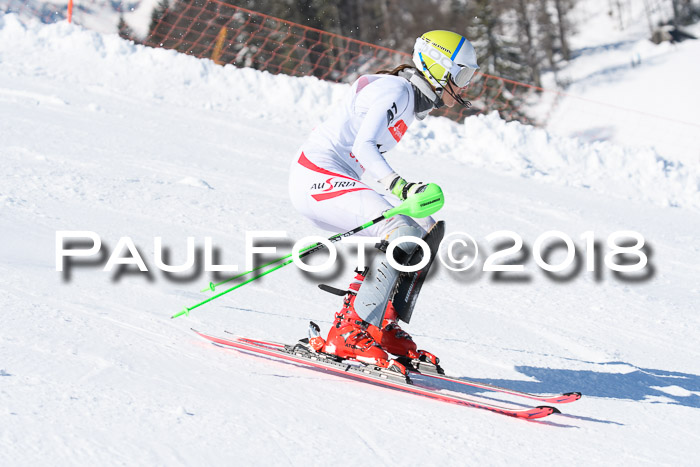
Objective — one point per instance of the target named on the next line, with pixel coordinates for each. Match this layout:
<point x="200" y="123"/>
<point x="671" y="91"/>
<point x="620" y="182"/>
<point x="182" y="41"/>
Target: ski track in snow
<point x="99" y="134"/>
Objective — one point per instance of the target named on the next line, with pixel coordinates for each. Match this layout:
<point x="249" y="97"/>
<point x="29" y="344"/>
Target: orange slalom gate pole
<point x="220" y="38"/>
<point x="70" y="11"/>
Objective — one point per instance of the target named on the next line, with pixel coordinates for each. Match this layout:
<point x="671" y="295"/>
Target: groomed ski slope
<point x="98" y="134"/>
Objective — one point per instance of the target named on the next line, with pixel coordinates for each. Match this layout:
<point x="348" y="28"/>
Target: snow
<point x="97" y="15"/>
<point x="625" y="89"/>
<point x="99" y="134"/>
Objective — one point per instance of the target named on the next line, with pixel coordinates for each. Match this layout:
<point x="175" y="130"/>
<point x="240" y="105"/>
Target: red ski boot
<point x="396" y="341"/>
<point x="348" y="337"/>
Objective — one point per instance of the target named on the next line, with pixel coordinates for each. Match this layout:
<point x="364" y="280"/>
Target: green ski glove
<point x="402" y="189"/>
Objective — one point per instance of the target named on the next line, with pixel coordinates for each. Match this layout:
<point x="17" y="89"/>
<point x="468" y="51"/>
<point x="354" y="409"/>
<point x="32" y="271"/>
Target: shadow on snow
<point x="638" y="385"/>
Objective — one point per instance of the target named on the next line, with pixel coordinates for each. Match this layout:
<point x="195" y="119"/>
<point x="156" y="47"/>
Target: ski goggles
<point x="461" y="75"/>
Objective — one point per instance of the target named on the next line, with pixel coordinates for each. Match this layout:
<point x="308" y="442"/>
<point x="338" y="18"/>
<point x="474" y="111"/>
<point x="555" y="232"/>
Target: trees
<point x="514" y="39"/>
<point x="158" y="13"/>
<point x="124" y="30"/>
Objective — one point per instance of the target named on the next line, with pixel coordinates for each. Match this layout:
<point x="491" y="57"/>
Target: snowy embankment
<point x="485" y="141"/>
<point x="98" y="134"/>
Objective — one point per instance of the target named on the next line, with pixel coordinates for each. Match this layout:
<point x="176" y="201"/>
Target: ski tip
<point x="574" y="395"/>
<point x="549" y="409"/>
<point x="537" y="412"/>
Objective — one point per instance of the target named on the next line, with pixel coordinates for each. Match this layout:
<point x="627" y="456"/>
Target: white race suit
<point x="325" y="182"/>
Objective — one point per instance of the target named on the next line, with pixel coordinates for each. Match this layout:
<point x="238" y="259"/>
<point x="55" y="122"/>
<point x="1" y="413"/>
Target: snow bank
<point x="530" y="152"/>
<point x="82" y="58"/>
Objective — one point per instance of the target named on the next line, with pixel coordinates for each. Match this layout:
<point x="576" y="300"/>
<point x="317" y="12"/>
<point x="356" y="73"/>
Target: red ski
<point x="551" y="398"/>
<point x="564" y="398"/>
<point x="301" y="355"/>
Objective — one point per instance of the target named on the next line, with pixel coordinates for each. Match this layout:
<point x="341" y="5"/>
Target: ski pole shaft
<point x="213" y="286"/>
<point x="304" y="252"/>
<point x="422" y="204"/>
<point x="186" y="310"/>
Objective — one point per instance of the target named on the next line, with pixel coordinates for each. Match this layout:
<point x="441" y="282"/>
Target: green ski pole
<point x="422" y="204"/>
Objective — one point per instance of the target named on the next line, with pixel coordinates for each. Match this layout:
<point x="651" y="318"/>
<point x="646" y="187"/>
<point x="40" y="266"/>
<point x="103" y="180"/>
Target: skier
<point x="325" y="186"/>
